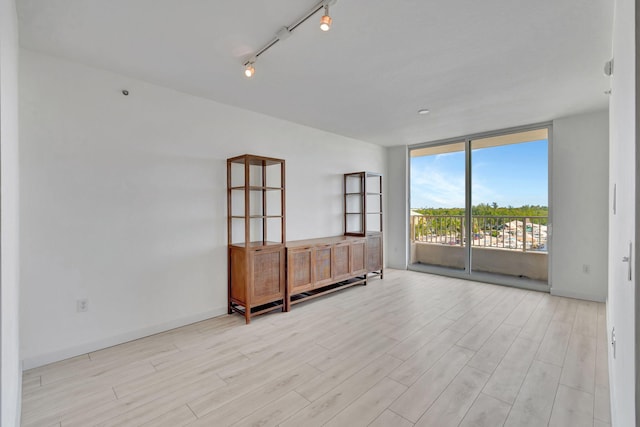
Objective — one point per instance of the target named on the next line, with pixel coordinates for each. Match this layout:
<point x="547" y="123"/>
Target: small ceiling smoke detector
<point x="423" y="111"/>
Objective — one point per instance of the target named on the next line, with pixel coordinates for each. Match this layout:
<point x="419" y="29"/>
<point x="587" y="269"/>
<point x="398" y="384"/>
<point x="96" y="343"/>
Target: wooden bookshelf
<point x="363" y="215"/>
<point x="256" y="235"/>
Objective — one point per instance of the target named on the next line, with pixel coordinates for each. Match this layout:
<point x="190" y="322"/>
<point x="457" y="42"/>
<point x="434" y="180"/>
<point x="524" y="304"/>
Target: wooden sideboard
<point x="267" y="273"/>
<point x="317" y="267"/>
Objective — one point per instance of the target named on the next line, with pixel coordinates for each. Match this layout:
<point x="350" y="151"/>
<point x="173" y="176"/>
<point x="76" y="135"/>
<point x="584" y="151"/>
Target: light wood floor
<point x="412" y="349"/>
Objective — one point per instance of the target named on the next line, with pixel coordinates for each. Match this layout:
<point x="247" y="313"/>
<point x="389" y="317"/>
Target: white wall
<point x="579" y="174"/>
<point x="621" y="311"/>
<point x="397" y="196"/>
<point x="124" y="202"/>
<point x="10" y="370"/>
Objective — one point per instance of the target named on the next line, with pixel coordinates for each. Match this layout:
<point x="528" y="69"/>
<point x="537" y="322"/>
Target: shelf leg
<point x="247" y="314"/>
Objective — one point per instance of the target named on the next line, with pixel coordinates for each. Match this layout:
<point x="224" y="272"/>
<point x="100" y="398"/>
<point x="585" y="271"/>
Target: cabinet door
<point x="341" y="261"/>
<point x="238" y="275"/>
<point x="299" y="270"/>
<point x="267" y="273"/>
<point x="374" y="252"/>
<point x="358" y="257"/>
<point x="322" y="261"/>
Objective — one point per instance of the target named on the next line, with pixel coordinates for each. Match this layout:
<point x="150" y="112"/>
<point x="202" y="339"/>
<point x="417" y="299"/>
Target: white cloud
<point x="431" y="187"/>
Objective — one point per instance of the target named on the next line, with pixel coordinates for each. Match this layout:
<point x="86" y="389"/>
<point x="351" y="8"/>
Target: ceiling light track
<point x="285" y="32"/>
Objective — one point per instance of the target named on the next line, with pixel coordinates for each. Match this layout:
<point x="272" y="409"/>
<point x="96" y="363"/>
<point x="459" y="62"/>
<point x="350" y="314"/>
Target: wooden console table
<point x="317" y="267"/>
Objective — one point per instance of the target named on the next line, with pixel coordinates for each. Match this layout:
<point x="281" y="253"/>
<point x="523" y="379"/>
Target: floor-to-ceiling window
<point x="479" y="207"/>
<point x="438" y="216"/>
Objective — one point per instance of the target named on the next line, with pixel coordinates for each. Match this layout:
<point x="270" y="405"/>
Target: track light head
<point x="325" y="21"/>
<point x="249" y="70"/>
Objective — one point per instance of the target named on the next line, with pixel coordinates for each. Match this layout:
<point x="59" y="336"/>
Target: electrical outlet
<point x="82" y="305"/>
<point x="586" y="268"/>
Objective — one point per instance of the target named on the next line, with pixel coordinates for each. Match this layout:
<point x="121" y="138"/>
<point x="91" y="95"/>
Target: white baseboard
<point x="19" y="399"/>
<point x="577" y="295"/>
<point x="56" y="356"/>
<point x="612" y="381"/>
<point x="396" y="266"/>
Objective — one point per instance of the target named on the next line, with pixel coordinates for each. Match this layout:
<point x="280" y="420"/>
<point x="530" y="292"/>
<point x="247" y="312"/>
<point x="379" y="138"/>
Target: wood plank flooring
<point x="410" y="350"/>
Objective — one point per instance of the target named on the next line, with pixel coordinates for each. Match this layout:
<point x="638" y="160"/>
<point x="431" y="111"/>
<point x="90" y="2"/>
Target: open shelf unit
<point x="363" y="214"/>
<point x="256" y="234"/>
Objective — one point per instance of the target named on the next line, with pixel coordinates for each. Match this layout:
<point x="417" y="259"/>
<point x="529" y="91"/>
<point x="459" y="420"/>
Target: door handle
<point x="627" y="259"/>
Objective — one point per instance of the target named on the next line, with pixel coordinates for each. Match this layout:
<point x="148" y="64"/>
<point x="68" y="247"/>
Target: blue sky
<point x="515" y="174"/>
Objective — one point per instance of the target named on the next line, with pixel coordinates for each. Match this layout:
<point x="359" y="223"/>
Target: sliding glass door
<point x="480" y="207"/>
<point x="438" y="189"/>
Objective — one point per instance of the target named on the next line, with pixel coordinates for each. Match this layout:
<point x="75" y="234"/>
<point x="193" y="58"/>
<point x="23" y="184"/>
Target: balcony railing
<point x="502" y="232"/>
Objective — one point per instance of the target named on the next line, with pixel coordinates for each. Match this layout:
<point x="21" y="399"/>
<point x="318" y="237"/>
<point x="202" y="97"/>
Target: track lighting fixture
<point x="285" y="32"/>
<point x="325" y="21"/>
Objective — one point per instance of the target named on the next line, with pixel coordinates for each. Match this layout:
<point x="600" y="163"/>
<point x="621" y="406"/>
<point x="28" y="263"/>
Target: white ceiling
<point x="477" y="65"/>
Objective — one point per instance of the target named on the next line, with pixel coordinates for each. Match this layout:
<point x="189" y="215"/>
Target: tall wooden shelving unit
<point x="256" y="234"/>
<point x="363" y="214"/>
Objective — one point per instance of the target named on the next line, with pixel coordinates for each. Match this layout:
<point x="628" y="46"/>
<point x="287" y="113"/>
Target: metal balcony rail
<point x="501" y="232"/>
